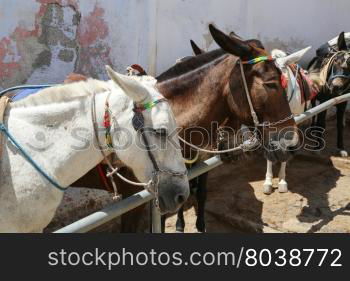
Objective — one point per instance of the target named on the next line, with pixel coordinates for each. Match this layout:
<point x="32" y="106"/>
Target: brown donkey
<point x="214" y="88"/>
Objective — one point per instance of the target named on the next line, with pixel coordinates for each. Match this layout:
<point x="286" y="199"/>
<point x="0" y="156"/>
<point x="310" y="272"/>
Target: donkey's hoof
<point x="283" y="187"/>
<point x="343" y="153"/>
<point x="180" y="229"/>
<point x="200" y="227"/>
<point x="267" y="189"/>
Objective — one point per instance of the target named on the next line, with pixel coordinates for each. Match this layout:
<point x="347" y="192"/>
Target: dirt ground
<point x="318" y="199"/>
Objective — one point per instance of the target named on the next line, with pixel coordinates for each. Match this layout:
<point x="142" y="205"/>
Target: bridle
<point x="139" y="126"/>
<point x="255" y="118"/>
<point x="328" y="71"/>
<point x="251" y="143"/>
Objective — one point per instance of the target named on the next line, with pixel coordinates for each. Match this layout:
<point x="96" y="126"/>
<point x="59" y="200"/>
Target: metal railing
<point x="115" y="210"/>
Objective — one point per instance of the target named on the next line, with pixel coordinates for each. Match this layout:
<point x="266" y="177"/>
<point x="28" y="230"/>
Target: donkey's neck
<point x="196" y="95"/>
<point x="60" y="136"/>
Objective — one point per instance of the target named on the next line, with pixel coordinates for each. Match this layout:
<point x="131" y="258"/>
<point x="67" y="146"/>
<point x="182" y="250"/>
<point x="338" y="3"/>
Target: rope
<point x="112" y="170"/>
<point x="211" y="151"/>
<point x="29" y="159"/>
<point x="3" y="103"/>
<point x="252" y="111"/>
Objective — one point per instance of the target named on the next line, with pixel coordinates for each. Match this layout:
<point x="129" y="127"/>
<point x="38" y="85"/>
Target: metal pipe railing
<point x="322" y="107"/>
<point x="96" y="219"/>
<point x="117" y="209"/>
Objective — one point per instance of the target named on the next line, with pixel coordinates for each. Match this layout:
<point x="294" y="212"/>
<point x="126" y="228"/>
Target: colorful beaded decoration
<point x="107" y="118"/>
<point x="107" y="126"/>
<point x="148" y="105"/>
<point x="258" y="59"/>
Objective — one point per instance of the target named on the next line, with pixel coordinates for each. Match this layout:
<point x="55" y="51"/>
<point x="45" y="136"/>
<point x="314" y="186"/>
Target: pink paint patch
<point x="92" y="27"/>
<point x="95" y="51"/>
<point x="7" y="68"/>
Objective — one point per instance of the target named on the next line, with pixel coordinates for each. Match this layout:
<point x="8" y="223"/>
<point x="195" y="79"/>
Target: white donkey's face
<point x="155" y="145"/>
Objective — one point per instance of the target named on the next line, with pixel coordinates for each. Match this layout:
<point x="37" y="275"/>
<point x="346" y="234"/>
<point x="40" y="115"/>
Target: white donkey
<point x="55" y="128"/>
<point x="297" y="106"/>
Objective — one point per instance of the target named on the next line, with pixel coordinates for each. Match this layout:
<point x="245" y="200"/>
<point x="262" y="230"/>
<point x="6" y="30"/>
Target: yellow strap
<point x="192" y="161"/>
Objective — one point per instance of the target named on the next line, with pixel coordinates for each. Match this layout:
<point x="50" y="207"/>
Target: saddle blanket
<point x="24" y="93"/>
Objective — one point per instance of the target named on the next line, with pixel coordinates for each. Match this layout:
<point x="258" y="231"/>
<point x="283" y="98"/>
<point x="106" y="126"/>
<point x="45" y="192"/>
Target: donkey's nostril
<point x="180" y="199"/>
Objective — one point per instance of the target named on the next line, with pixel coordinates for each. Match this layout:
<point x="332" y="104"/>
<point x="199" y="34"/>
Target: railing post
<point x="156" y="219"/>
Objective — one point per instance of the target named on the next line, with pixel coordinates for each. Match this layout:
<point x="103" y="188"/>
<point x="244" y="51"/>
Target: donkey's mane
<point x="69" y="92"/>
<point x="64" y="92"/>
<point x="191" y="64"/>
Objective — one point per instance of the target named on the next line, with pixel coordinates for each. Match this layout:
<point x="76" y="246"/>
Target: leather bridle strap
<point x="148" y="148"/>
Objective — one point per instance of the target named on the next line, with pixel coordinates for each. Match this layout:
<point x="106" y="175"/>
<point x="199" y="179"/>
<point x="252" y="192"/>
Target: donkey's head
<point x="155" y="151"/>
<point x="338" y="69"/>
<point x="266" y="91"/>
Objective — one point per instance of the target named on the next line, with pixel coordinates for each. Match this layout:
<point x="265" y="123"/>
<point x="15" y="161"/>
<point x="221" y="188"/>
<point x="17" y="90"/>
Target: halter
<point x="139" y="126"/>
<point x="245" y="84"/>
<point x="328" y="71"/>
<point x="251" y="143"/>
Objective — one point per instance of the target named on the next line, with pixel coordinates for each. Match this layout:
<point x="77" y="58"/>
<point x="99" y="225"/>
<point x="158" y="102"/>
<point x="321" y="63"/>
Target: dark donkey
<point x="330" y="70"/>
<point x="210" y="88"/>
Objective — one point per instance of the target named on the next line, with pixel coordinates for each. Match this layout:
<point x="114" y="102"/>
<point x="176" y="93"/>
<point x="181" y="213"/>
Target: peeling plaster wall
<point x="41" y="41"/>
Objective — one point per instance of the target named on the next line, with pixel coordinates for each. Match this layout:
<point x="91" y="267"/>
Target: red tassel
<point x="284" y="81"/>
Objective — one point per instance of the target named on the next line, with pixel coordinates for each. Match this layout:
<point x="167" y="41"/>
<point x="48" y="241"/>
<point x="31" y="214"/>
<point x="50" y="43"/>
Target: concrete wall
<point x="41" y="41"/>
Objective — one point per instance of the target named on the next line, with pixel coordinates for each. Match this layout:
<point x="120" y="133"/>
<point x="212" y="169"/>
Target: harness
<point x="251" y="143"/>
<point x="327" y="74"/>
<point x="255" y="118"/>
<point x="5" y="131"/>
<point x="139" y="126"/>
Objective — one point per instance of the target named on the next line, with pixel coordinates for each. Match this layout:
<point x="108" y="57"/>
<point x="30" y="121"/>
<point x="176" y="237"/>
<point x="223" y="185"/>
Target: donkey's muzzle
<point x="173" y="194"/>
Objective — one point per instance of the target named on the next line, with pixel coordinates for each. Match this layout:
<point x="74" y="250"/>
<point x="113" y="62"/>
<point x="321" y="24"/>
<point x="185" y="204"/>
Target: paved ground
<point x="318" y="201"/>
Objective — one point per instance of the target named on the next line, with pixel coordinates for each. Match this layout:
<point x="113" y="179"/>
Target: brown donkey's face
<point x="267" y="94"/>
<point x="338" y="79"/>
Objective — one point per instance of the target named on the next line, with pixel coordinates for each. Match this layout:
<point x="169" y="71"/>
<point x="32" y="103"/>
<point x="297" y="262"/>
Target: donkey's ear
<point x="131" y="87"/>
<point x="234" y="35"/>
<point x="292" y="58"/>
<point x="232" y="45"/>
<point x="196" y="50"/>
<point x="342" y="42"/>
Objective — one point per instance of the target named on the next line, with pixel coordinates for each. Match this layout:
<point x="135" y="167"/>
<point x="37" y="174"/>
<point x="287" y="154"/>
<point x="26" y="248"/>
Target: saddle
<point x="308" y="92"/>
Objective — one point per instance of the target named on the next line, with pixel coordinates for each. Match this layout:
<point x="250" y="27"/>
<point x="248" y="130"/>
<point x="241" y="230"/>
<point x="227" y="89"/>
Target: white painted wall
<point x="154" y="33"/>
<point x="286" y="24"/>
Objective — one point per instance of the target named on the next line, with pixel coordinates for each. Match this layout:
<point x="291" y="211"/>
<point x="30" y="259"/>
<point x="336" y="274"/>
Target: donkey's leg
<point x="341" y="108"/>
<point x="180" y="222"/>
<point x="163" y="219"/>
<point x="321" y="126"/>
<point x="201" y="200"/>
<point x="268" y="179"/>
<point x="282" y="184"/>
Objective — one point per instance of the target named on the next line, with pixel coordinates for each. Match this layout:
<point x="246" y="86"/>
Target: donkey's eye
<point x="161" y="132"/>
<point x="270" y="84"/>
